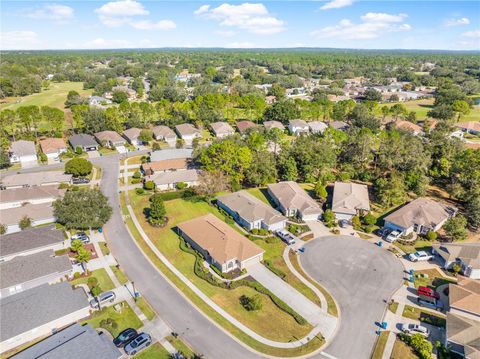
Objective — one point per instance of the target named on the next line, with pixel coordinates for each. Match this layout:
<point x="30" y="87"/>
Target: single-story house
<point x="244" y="126"/>
<point x="84" y="141"/>
<point x="317" y="126"/>
<point x="24" y="152"/>
<point x="419" y="216"/>
<point x="38" y="311"/>
<point x="53" y="147"/>
<point x="31" y="241"/>
<point x="273" y="124"/>
<point x="98" y="101"/>
<point x="110" y="139"/>
<point x="16" y="197"/>
<point x="250" y="212"/>
<point x="74" y="342"/>
<point x="411" y="127"/>
<point x="339" y="125"/>
<point x="465" y="254"/>
<point x="463" y="335"/>
<point x="46" y="178"/>
<point x="39" y="214"/>
<point x="472" y="127"/>
<point x="150" y="168"/>
<point x="292" y="200"/>
<point x="188" y="132"/>
<point x="132" y="136"/>
<point x="298" y="127"/>
<point x="169" y="180"/>
<point x="170" y="154"/>
<point x="464" y="297"/>
<point x="222" y="129"/>
<point x="350" y="199"/>
<point x="25" y="272"/>
<point x="220" y="244"/>
<point x="165" y="133"/>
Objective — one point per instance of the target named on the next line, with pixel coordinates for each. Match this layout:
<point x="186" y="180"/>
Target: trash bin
<point x="100" y="230"/>
<point x="384" y="325"/>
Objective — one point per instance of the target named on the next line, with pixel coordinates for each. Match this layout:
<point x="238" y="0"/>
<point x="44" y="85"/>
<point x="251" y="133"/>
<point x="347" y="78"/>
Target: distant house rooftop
<point x="243" y="126"/>
<point x="339" y="125"/>
<point x="31" y="193"/>
<point x="170" y="154"/>
<point x="109" y="136"/>
<point x="165" y="165"/>
<point x="132" y="133"/>
<point x="187" y="129"/>
<point x="164" y="132"/>
<point x="465" y="332"/>
<point x="274" y="124"/>
<point x="82" y="140"/>
<point x="409" y="126"/>
<point x="23" y="148"/>
<point x="317" y="126"/>
<point x="350" y="198"/>
<point x="298" y="123"/>
<point x="222" y="128"/>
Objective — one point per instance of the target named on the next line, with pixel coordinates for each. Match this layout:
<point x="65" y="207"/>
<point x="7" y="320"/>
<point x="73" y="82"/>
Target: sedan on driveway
<point x="415" y="329"/>
<point x="420" y="256"/>
<point x="124" y="337"/>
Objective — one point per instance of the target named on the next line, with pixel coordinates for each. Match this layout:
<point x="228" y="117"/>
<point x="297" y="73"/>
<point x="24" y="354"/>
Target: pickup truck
<point x="286" y="236"/>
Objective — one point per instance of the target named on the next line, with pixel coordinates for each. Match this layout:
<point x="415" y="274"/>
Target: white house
<point x="298" y="127"/>
<point x="317" y="126"/>
<point x="165" y="133"/>
<point x="53" y="147"/>
<point x="23" y="152"/>
<point x="169" y="180"/>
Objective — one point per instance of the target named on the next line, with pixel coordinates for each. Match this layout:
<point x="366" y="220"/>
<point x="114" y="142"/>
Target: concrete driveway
<point x="361" y="277"/>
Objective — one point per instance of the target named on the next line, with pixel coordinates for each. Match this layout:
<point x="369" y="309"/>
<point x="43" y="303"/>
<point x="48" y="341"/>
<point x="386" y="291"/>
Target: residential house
<point x="39" y="214"/>
<point x="31" y="241"/>
<point x="408" y="126"/>
<point x="17" y="197"/>
<point x="270" y="99"/>
<point x="350" y="199"/>
<point x="419" y="216"/>
<point x="169" y="180"/>
<point x="23" y="152"/>
<point x="298" y="127"/>
<point x="39" y="311"/>
<point x="464" y="297"/>
<point x="46" y="178"/>
<point x="26" y="272"/>
<point x="131" y="93"/>
<point x="188" y="133"/>
<point x="53" y="147"/>
<point x="98" y="101"/>
<point x="110" y="139"/>
<point x="317" y="126"/>
<point x="74" y="342"/>
<point x="220" y="244"/>
<point x="170" y="154"/>
<point x="339" y="125"/>
<point x="471" y="127"/>
<point x="273" y="124"/>
<point x="463" y="335"/>
<point x="165" y="133"/>
<point x="222" y="129"/>
<point x="132" y="136"/>
<point x="244" y="126"/>
<point x="465" y="254"/>
<point x="293" y="201"/>
<point x="83" y="141"/>
<point x="177" y="164"/>
<point x="250" y="212"/>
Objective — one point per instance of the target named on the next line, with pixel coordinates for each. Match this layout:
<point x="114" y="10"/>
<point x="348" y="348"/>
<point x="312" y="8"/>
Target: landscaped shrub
<point x="63" y="185"/>
<point x="181" y="185"/>
<point x="96" y="290"/>
<point x="168" y="196"/>
<point x="76" y="275"/>
<point x="272" y="239"/>
<point x="92" y="282"/>
<point x="369" y="219"/>
<point x="149" y="185"/>
<point x="109" y="324"/>
<point x="356" y="223"/>
<point x="25" y="222"/>
<point x="137" y="174"/>
<point x="3" y="229"/>
<point x="136" y="180"/>
<point x="419" y="344"/>
<point x="78" y="150"/>
<point x="263" y="232"/>
<point x="139" y="191"/>
<point x="329" y="218"/>
<point x="431" y="235"/>
<point x="251" y="303"/>
<point x="255" y="230"/>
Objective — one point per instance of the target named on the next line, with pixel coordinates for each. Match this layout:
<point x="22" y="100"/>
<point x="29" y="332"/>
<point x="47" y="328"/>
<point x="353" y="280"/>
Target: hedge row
<point x="268" y="263"/>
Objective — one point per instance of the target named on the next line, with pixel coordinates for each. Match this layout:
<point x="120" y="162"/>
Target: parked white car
<point x="393" y="236"/>
<point x="286" y="236"/>
<point x="415" y="329"/>
<point x="420" y="256"/>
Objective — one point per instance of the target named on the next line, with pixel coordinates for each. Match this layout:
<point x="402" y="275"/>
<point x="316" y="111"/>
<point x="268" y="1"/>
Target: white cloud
<point x="18" y="40"/>
<point x="336" y="4"/>
<point x="240" y="45"/>
<point x="122" y="8"/>
<point x="457" y="21"/>
<point x="253" y="18"/>
<point x="474" y="34"/>
<point x="372" y="26"/>
<point x="151" y="25"/>
<point x="56" y="12"/>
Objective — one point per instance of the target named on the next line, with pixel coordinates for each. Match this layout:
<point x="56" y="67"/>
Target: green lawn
<point x="380" y="345"/>
<point x="426" y="316"/>
<point x="418" y="245"/>
<point x="124" y="318"/>
<point x="155" y="351"/>
<point x="55" y="96"/>
<point x="284" y="328"/>
<point x="104" y="248"/>
<point x="393" y="306"/>
<point x="260" y="193"/>
<point x="101" y="274"/>
<point x="121" y="277"/>
<point x="145" y="308"/>
<point x="434" y="279"/>
<point x="402" y="351"/>
<point x="180" y="346"/>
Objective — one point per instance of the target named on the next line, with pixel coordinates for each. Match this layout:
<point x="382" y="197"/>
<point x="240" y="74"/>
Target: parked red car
<point x="427" y="292"/>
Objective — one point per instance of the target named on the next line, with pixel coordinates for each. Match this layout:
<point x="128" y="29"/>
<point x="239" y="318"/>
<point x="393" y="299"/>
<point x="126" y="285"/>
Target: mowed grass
<point x="434" y="279"/>
<point x="155" y="351"/>
<point x="54" y="96"/>
<point x="101" y="274"/>
<point x="402" y="351"/>
<point x="283" y="328"/>
<point x="380" y="345"/>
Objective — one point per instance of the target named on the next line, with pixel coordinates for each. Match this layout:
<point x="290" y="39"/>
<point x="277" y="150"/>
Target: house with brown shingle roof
<point x="132" y="136"/>
<point x="110" y="139"/>
<point x="244" y="126"/>
<point x="472" y="127"/>
<point x="250" y="212"/>
<point x="408" y="126"/>
<point x="463" y="336"/>
<point x="464" y="297"/>
<point x="419" y="216"/>
<point x="350" y="199"/>
<point x="222" y="129"/>
<point x="177" y="164"/>
<point x="465" y="254"/>
<point x="165" y="133"/>
<point x="220" y="244"/>
<point x="53" y="147"/>
<point x="293" y="201"/>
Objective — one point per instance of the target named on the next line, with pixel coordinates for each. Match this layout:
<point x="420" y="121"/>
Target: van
<point x="103" y="298"/>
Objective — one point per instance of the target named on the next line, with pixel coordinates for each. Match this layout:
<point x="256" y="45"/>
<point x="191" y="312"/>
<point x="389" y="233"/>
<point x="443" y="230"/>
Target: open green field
<point x="284" y="328"/>
<point x="55" y="96"/>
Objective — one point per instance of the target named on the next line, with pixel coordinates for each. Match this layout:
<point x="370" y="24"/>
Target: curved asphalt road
<point x="360" y="276"/>
<point x="182" y="317"/>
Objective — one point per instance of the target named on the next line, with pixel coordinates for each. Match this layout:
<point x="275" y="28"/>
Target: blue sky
<point x="399" y="24"/>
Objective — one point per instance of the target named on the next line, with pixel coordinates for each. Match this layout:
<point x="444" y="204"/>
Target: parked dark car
<point x="142" y="341"/>
<point x="124" y="337"/>
<point x="80" y="180"/>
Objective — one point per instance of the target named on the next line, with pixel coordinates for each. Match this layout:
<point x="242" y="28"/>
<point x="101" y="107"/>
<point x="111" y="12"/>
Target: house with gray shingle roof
<point x="37" y="312"/>
<point x="23" y="152"/>
<point x="317" y="126"/>
<point x="84" y="141"/>
<point x="350" y="199"/>
<point x="46" y="178"/>
<point x="165" y="133"/>
<point x="273" y="124"/>
<point x="465" y="254"/>
<point x="222" y="129"/>
<point x="188" y="132"/>
<point x="250" y="212"/>
<point x="463" y="335"/>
